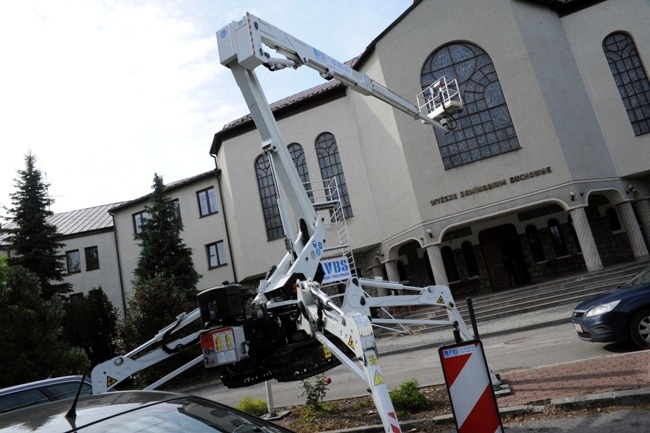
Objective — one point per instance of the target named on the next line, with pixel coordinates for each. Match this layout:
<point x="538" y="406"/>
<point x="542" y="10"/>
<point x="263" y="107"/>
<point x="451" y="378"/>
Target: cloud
<point x="108" y="92"/>
<point x="95" y="87"/>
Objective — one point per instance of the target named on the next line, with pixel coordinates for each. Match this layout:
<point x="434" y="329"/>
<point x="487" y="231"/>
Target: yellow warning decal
<point x="372" y="359"/>
<point x="351" y="342"/>
<point x="110" y="381"/>
<point x="440" y="300"/>
<point x="327" y="353"/>
<point x="379" y="379"/>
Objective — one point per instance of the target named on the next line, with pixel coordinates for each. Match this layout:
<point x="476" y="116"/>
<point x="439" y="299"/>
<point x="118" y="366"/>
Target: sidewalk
<point x="620" y="378"/>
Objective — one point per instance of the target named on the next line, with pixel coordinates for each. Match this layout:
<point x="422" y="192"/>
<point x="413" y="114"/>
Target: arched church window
<point x="267" y="189"/>
<point x="631" y="79"/>
<point x="298" y="156"/>
<point x="484" y="128"/>
<point x="268" y="198"/>
<point x="331" y="167"/>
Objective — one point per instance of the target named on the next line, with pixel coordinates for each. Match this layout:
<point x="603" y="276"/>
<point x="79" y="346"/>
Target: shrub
<point x="315" y="389"/>
<point x="254" y="407"/>
<point x="408" y="398"/>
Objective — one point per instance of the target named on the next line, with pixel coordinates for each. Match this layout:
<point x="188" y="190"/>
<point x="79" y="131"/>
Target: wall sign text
<point x="491" y="185"/>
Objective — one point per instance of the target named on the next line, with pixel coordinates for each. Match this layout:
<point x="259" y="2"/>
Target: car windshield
<point x="642" y="278"/>
<point x="191" y="415"/>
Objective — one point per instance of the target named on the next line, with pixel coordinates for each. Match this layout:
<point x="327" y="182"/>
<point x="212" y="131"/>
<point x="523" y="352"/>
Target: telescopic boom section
<point x="244" y="42"/>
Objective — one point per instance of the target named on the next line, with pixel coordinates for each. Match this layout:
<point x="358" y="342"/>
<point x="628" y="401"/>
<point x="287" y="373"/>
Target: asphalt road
<point x="419" y="360"/>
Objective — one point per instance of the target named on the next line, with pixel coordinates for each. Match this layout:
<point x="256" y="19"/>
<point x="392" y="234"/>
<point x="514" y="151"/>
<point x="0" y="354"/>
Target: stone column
<point x="643" y="212"/>
<point x="377" y="272"/>
<point x="437" y="265"/>
<point x="392" y="271"/>
<point x="634" y="234"/>
<point x="586" y="239"/>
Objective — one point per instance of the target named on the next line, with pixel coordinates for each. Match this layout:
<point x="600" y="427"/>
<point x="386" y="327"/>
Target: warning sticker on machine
<point x="110" y="381"/>
<point x="379" y="379"/>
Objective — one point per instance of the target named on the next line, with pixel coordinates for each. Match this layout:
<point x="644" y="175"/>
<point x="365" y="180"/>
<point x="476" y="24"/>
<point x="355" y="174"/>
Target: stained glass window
<point x="268" y="193"/>
<point x="269" y="198"/>
<point x="631" y="79"/>
<point x="484" y="128"/>
<point x="331" y="167"/>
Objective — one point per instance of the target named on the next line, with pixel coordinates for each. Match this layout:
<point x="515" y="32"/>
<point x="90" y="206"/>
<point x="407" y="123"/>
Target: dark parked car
<point x="135" y="411"/>
<point x="42" y="391"/>
<point x="620" y="315"/>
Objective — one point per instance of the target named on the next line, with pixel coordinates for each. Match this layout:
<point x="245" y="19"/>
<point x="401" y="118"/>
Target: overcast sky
<point x="107" y="93"/>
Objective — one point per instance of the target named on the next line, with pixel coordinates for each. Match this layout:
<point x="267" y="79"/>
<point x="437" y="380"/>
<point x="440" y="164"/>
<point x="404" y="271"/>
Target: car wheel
<point x="640" y="329"/>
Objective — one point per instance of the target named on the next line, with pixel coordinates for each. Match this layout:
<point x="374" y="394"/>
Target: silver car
<point x="134" y="412"/>
<point x="42" y="391"/>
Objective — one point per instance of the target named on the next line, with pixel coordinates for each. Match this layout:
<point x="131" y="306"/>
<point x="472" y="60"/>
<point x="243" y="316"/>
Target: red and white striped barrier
<point x="470" y="390"/>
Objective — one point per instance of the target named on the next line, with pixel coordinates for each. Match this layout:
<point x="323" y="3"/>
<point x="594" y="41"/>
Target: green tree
<point x="90" y="322"/>
<point x="31" y="332"/>
<point x="155" y="303"/>
<point x="4" y="271"/>
<point x="165" y="282"/>
<point x="163" y="252"/>
<point x="32" y="238"/>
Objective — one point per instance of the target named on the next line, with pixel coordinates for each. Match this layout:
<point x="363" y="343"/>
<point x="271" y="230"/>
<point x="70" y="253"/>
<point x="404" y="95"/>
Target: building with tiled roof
<point x="84" y="221"/>
<point x="89" y="251"/>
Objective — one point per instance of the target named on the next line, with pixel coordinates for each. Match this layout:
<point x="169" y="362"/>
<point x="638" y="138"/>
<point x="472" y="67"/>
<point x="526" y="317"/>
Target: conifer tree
<point x="31" y="331"/>
<point x="163" y="253"/>
<point x="164" y="282"/>
<point x="34" y="241"/>
<point x="90" y="322"/>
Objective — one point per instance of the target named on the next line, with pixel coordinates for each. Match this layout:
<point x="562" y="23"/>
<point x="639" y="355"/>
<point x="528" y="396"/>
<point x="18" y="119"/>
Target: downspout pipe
<point x="119" y="265"/>
<point x="217" y="173"/>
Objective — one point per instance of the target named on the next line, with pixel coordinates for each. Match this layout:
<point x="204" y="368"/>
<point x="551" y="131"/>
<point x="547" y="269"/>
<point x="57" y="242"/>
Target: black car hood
<point x="612" y="295"/>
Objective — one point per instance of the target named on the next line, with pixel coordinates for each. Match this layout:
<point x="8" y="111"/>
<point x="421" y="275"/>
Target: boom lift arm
<point x="293" y="330"/>
<point x="347" y="331"/>
<point x="243" y="43"/>
<point x="242" y="48"/>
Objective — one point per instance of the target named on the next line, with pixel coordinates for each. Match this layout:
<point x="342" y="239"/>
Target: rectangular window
<point x="216" y="254"/>
<point x="74" y="261"/>
<point x="92" y="258"/>
<point x="76" y="298"/>
<point x="138" y="221"/>
<point x="176" y="209"/>
<point x="207" y="201"/>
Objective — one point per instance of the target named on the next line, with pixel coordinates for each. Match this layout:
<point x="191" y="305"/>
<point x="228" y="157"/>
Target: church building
<point x="545" y="172"/>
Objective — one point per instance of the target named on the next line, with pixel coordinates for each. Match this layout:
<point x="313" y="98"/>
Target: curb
<point x="632" y="396"/>
<point x="439" y="420"/>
